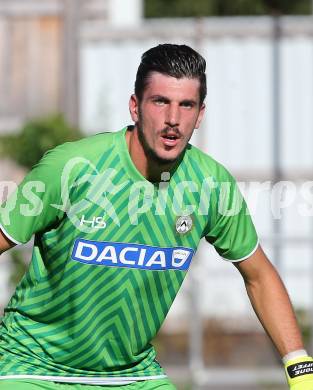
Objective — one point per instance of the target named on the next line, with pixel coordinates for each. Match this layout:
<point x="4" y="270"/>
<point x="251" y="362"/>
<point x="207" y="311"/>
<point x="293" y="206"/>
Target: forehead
<point x="171" y="87"/>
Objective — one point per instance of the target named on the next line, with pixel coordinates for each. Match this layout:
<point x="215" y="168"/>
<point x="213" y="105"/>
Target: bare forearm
<point x="271" y="303"/>
<point x="273" y="308"/>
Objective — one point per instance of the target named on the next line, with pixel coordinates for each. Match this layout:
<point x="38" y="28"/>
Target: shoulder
<point x="91" y="148"/>
<point x="93" y="144"/>
<point x="73" y="158"/>
<point x="206" y="166"/>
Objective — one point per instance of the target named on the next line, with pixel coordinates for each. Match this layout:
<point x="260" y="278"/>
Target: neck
<point x="150" y="169"/>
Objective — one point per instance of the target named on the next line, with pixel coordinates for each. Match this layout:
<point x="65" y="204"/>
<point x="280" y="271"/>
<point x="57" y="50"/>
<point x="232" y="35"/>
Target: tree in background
<point x="198" y="8"/>
<point x="26" y="148"/>
<point x="36" y="137"/>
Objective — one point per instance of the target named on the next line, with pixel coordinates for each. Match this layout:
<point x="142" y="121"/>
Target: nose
<point x="172" y="116"/>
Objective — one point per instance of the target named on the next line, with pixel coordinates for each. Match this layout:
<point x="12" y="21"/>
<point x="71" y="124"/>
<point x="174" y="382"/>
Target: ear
<point x="134" y="108"/>
<point x="200" y="116"/>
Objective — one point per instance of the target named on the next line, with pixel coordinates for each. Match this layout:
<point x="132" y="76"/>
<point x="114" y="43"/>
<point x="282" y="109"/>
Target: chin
<point x="166" y="159"/>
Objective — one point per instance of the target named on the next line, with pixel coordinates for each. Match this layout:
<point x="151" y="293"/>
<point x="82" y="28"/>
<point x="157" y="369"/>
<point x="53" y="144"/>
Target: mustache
<point x="166" y="130"/>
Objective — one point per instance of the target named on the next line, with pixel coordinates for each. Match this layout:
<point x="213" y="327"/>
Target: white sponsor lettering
<point x="158" y="257"/>
<point x="83" y="245"/>
<point x="108" y="254"/>
<point x="142" y="256"/>
<point x="123" y="253"/>
<point x="129" y="255"/>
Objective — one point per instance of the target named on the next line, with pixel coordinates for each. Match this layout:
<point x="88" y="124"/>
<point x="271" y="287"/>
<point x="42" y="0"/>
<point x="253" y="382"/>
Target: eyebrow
<point x="166" y="99"/>
<point x="154" y="97"/>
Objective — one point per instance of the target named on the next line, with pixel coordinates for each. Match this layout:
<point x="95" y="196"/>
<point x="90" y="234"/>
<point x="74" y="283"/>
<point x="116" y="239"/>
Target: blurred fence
<point x="38" y="57"/>
<point x="30" y="61"/>
<point x="61" y="55"/>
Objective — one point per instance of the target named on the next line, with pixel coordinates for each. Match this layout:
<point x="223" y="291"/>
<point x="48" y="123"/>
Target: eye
<point x="187" y="104"/>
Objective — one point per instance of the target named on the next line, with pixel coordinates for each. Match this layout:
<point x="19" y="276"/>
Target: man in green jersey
<point x="117" y="218"/>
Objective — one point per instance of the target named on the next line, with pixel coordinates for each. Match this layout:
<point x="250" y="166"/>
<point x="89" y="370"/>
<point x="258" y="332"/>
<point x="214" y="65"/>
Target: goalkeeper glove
<point x="299" y="372"/>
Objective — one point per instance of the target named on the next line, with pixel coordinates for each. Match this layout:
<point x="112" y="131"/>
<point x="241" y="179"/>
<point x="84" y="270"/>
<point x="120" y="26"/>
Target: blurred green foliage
<point x="198" y="8"/>
<point x="35" y="138"/>
<point x="26" y="148"/>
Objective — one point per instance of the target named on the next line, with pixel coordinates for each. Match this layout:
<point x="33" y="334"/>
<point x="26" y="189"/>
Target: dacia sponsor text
<point x="116" y="254"/>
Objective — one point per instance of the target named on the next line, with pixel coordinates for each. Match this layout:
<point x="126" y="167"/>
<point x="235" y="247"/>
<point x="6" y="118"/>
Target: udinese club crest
<point x="183" y="224"/>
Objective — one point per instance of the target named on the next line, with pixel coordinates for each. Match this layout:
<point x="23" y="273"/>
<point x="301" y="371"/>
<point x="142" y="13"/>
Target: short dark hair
<point x="171" y="60"/>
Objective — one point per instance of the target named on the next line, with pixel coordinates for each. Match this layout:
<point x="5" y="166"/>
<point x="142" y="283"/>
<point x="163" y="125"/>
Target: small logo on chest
<point x="93" y="222"/>
<point x="183" y="224"/>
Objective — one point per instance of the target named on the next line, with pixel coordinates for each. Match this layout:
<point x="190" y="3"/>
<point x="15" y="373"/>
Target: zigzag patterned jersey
<point x="111" y="251"/>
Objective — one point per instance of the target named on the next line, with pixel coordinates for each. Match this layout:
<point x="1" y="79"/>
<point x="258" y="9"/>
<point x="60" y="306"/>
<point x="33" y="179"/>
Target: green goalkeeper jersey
<point x="111" y="251"/>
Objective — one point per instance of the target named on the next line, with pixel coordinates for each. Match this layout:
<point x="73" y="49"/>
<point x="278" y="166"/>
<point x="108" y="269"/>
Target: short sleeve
<point x="32" y="207"/>
<point x="231" y="229"/>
